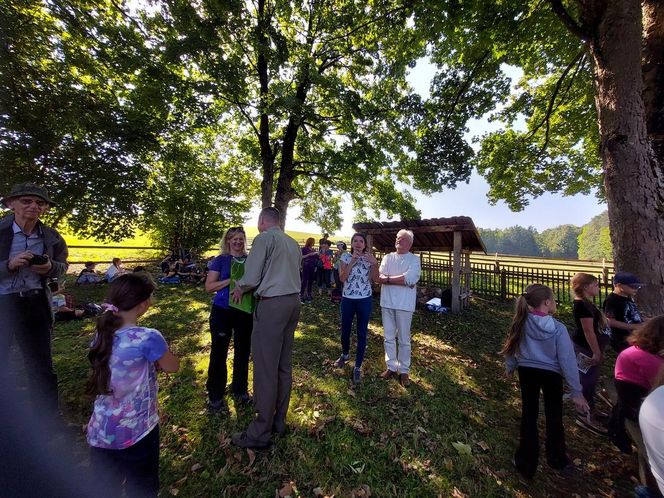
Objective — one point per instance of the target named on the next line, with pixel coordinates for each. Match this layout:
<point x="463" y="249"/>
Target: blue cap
<point x="626" y="278"/>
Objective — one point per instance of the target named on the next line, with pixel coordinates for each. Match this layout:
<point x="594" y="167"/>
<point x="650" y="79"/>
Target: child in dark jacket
<point x="540" y="349"/>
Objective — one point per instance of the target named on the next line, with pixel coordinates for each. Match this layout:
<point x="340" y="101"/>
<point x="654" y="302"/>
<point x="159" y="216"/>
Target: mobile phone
<point x="38" y="259"/>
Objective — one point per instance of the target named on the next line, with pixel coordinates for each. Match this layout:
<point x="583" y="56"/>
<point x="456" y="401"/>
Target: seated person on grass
<point x="620" y="309"/>
<point x="115" y="270"/>
<point x="62" y="306"/>
<point x="88" y="275"/>
<point x="166" y="262"/>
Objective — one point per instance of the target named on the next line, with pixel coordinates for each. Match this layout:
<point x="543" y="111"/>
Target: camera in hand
<point x="38" y="259"/>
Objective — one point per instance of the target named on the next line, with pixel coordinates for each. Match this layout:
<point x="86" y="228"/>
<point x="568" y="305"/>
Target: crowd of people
<point x="544" y="354"/>
<point x="258" y="295"/>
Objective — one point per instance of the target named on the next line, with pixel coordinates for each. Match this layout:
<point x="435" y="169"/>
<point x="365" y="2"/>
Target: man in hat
<point x="620" y="309"/>
<point x="30" y="254"/>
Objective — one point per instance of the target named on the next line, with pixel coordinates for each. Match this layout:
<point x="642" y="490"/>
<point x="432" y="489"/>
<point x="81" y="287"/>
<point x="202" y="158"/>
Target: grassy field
<point x="104" y="252"/>
<point x="452" y="433"/>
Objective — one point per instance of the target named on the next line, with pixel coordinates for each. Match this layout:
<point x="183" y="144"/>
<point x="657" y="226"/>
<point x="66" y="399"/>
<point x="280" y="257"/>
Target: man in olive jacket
<point x="30" y="254"/>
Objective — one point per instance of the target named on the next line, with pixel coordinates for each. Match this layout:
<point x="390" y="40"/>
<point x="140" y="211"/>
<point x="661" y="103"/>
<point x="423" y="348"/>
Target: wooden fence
<point x="499" y="276"/>
<point x="493" y="277"/>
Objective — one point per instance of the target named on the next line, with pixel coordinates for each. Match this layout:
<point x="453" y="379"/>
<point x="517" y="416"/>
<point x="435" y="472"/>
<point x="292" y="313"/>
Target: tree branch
<point x="569" y="22"/>
<point x="550" y="107"/>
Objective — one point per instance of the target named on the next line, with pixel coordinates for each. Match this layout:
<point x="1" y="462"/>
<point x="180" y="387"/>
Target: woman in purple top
<point x="226" y="320"/>
<point x="123" y="431"/>
<point x="309" y="261"/>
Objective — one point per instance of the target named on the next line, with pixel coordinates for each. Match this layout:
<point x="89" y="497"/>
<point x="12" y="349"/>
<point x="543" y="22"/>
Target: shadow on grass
<point x="455" y="427"/>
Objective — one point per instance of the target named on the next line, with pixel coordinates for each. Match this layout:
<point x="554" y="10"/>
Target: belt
<point x="263" y="298"/>
<point x="27" y="293"/>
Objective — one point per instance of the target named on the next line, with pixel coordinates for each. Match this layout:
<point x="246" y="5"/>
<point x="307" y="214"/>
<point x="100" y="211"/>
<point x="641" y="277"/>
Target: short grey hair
<point x="408" y="233"/>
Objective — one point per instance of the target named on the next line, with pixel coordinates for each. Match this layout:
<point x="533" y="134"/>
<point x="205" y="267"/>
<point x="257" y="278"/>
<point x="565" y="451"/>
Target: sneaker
<point x="591" y="425"/>
<point x="357" y="376"/>
<point x="341" y="362"/>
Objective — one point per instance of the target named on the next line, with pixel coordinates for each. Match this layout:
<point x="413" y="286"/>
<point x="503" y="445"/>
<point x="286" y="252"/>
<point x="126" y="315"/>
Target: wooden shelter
<point x="457" y="235"/>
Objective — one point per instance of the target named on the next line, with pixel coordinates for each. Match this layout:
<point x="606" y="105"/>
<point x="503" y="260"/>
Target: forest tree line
<point x="590" y="241"/>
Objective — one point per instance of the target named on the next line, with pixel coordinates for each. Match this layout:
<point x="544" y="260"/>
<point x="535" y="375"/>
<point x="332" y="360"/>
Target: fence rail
<point x="494" y="278"/>
<point x="500" y="276"/>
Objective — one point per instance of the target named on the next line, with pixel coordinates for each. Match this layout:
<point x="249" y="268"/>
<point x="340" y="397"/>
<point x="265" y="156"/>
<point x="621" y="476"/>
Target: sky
<point x="546" y="211"/>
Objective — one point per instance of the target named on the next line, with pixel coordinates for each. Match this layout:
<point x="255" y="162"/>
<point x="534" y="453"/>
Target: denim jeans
<point x="350" y="308"/>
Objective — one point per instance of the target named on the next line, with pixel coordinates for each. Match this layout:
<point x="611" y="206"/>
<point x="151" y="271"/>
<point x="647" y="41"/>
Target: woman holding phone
<point x="357" y="270"/>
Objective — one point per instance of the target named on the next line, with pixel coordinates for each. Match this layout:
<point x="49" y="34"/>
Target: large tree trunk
<point x="267" y="154"/>
<point x="633" y="180"/>
<point x="653" y="74"/>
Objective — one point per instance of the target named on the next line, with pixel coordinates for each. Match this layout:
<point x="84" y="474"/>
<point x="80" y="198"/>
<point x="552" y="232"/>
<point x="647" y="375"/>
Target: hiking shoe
<point x="404" y="379"/>
<point x="388" y="374"/>
<point x="341" y="362"/>
<point x="218" y="406"/>
<point x="591" y="425"/>
<point x="357" y="376"/>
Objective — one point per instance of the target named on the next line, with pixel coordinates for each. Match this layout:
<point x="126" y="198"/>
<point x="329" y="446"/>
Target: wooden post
<point x="467" y="277"/>
<point x="369" y="243"/>
<point x="456" y="273"/>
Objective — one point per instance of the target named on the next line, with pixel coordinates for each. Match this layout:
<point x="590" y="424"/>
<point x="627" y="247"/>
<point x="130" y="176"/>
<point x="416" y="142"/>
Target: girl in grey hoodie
<point x="540" y="349"/>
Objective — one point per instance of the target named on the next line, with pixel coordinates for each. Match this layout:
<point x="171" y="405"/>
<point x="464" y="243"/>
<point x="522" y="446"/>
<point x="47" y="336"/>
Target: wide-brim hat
<point x="21" y="189"/>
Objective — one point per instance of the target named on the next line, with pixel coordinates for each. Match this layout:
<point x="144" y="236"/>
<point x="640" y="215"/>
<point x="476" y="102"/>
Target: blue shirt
<point x="24" y="279"/>
<point x="222" y="264"/>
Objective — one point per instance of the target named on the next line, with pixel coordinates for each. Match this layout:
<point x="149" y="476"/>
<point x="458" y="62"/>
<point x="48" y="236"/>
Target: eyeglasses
<point x="26" y="202"/>
<point x="236" y="229"/>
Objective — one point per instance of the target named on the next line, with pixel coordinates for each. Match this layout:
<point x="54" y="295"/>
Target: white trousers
<point x="396" y="327"/>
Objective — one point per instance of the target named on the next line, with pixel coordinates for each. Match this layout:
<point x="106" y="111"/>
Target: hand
<point x="596" y="359"/>
<point x="581" y="403"/>
<point x="237" y="294"/>
<point x="371" y="259"/>
<point x="19" y="261"/>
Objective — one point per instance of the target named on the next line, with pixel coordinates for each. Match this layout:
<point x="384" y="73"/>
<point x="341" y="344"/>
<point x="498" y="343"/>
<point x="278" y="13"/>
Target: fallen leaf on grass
<point x="252" y="457"/>
<point x="483" y="445"/>
<point x="286" y="491"/>
<point x="362" y="492"/>
<point x="462" y="448"/>
<point x="459" y="494"/>
<point x="224" y="439"/>
<point x="352" y="393"/>
<point x="174" y="491"/>
<point x="196" y="466"/>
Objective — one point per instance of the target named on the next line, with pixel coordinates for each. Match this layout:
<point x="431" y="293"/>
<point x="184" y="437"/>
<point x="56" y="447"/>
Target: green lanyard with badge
<point x="248" y="301"/>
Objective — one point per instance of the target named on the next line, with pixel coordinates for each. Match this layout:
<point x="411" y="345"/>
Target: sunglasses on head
<point x="236" y="229"/>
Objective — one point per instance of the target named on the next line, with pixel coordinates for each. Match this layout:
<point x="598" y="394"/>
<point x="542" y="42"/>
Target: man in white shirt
<point x="399" y="272"/>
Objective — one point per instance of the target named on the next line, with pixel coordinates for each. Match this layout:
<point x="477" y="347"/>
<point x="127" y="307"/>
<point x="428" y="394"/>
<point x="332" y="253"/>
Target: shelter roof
<point x="433" y="234"/>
